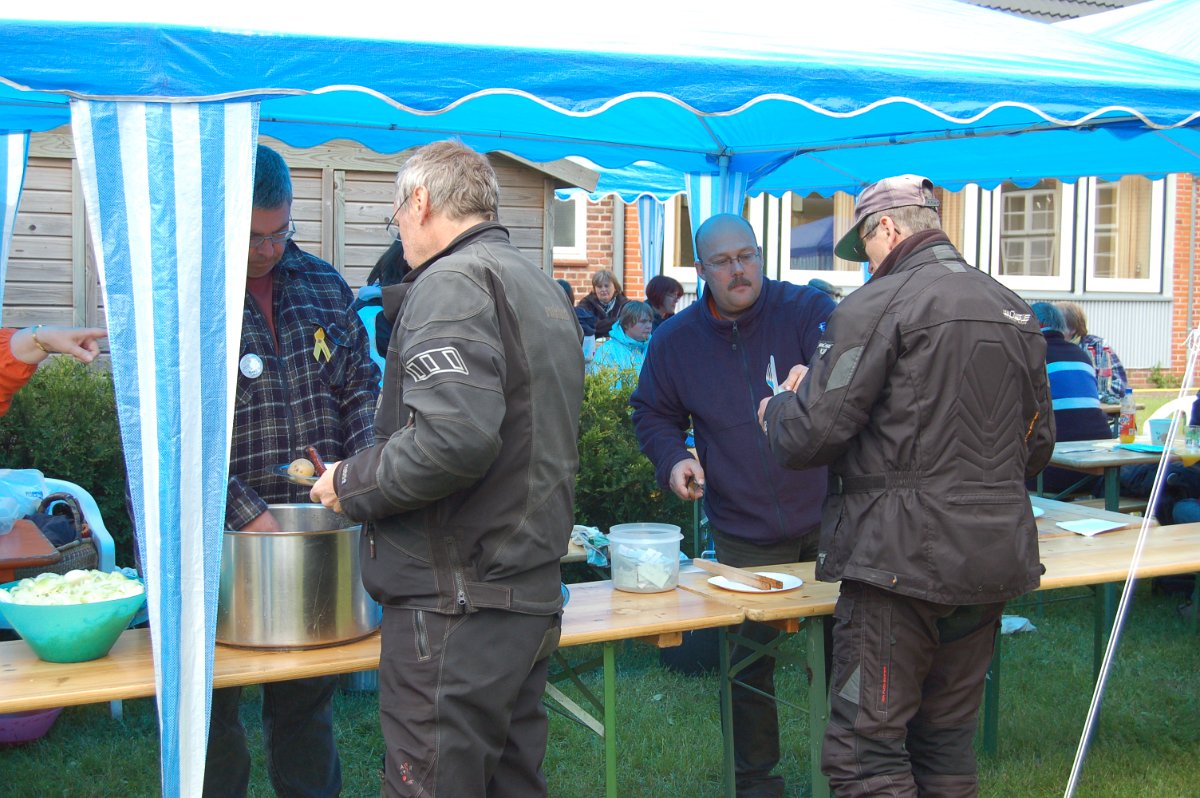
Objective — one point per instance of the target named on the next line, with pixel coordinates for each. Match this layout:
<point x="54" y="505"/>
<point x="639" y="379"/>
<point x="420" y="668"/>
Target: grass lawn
<point x="1147" y="744"/>
<point x="1152" y="399"/>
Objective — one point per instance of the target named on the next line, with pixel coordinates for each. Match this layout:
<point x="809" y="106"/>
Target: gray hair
<point x="272" y="180"/>
<point x="1049" y="316"/>
<point x="605" y="277"/>
<point x="461" y="182"/>
<point x="909" y="218"/>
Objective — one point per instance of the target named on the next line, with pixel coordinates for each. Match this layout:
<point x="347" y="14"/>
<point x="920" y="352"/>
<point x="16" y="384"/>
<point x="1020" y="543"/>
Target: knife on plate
<point x="738" y="575"/>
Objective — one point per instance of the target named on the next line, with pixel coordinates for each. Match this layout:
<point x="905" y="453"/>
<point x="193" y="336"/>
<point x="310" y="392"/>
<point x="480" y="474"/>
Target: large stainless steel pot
<point x="299" y="588"/>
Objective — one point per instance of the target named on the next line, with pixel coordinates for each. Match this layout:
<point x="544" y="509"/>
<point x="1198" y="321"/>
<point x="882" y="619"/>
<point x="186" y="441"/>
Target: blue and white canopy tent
<point x="1169" y="26"/>
<point x="166" y="114"/>
<point x="812" y="245"/>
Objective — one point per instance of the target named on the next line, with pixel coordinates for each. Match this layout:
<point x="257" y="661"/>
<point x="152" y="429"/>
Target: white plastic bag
<point x="10" y="511"/>
<point x="26" y="485"/>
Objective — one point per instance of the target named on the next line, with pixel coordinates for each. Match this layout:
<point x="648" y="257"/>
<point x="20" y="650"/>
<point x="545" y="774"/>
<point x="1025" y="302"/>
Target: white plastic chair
<point x="1179" y="405"/>
<point x="106" y="551"/>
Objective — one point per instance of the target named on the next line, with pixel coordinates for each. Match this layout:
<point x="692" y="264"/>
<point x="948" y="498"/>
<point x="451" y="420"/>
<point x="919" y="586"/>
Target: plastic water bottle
<point x="1127" y="426"/>
<point x="1105" y="370"/>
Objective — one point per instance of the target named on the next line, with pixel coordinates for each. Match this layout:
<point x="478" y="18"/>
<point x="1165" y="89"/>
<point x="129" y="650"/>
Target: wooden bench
<point x="1130" y="505"/>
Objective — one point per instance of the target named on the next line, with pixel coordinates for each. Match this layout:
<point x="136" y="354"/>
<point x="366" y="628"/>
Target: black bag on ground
<point x="696" y="656"/>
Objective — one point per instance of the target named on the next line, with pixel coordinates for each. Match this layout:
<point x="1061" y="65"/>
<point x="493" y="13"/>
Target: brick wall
<point x="600" y="249"/>
<point x="1179" y="279"/>
<point x="634" y="287"/>
<point x="1185" y="258"/>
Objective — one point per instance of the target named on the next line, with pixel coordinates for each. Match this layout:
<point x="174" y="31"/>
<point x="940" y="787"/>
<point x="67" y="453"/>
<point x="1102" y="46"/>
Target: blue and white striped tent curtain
<point x="650" y="243"/>
<point x="174" y="305"/>
<point x="711" y="193"/>
<point x="12" y="177"/>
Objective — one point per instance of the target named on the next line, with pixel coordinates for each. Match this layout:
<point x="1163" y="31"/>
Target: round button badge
<point x="251" y="365"/>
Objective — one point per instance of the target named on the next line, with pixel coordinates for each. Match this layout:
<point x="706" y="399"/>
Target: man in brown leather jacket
<point x="467" y="495"/>
<point x="929" y="402"/>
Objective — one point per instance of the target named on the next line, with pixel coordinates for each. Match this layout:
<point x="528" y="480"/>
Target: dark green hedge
<point x="64" y="423"/>
<point x="616" y="482"/>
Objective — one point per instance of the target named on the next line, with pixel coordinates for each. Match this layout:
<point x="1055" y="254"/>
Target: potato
<point x="301" y="467"/>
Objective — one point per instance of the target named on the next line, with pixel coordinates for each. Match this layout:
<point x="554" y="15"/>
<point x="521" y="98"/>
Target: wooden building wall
<point x="343" y="200"/>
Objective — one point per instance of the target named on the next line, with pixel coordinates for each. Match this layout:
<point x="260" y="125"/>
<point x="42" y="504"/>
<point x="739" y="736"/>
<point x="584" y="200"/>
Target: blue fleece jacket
<point x="710" y="373"/>
<point x="619" y="352"/>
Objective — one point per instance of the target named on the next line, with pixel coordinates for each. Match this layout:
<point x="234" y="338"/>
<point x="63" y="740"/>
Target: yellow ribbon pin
<point x="321" y="348"/>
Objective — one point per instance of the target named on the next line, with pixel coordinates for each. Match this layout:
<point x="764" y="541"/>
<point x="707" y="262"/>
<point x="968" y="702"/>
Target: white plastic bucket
<point x="644" y="557"/>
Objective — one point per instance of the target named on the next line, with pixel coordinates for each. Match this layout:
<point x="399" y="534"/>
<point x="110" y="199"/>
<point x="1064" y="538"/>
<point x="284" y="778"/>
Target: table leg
<point x="991" y="700"/>
<point x="610" y="720"/>
<point x="818" y="702"/>
<point x="728" y="777"/>
<point x="1196" y="601"/>
<point x="1112" y="489"/>
<point x="1105" y="612"/>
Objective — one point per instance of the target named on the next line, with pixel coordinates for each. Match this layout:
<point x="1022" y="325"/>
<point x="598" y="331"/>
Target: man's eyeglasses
<point x="746" y="260"/>
<point x="867" y="233"/>
<point x="393" y="229"/>
<point x="274" y="239"/>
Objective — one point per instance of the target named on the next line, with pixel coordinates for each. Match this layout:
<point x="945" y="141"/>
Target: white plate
<point x="789" y="583"/>
<point x="1038" y="512"/>
<point x="1091" y="526"/>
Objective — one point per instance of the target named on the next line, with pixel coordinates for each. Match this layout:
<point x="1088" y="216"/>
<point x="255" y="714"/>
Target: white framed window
<point x="679" y="258"/>
<point x="570" y="229"/>
<point x="809" y="228"/>
<point x="1122" y="232"/>
<point x="1031" y="245"/>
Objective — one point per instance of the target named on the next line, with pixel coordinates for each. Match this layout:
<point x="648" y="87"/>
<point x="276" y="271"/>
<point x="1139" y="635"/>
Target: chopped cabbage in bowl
<point x="73" y="587"/>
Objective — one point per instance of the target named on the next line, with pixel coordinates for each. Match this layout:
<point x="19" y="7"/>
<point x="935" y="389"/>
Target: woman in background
<point x="1073" y="391"/>
<point x="604" y="302"/>
<point x="1094" y="345"/>
<point x="662" y="293"/>
<point x="625" y="349"/>
<point x="389" y="270"/>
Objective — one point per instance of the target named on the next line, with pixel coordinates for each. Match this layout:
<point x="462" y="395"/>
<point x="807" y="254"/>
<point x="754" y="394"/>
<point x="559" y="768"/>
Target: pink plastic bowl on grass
<point x="17" y="728"/>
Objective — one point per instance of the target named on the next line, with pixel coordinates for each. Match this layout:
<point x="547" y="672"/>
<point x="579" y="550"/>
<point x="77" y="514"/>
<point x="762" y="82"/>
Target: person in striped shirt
<point x="1073" y="389"/>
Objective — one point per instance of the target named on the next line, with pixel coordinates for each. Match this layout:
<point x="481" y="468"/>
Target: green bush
<point x="1162" y="379"/>
<point x="616" y="482"/>
<point x="64" y="423"/>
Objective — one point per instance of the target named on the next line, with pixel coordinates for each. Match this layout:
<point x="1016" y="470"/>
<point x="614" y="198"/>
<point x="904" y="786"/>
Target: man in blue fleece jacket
<point x="706" y="369"/>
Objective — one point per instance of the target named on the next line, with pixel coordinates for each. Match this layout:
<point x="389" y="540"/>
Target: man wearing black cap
<point x="929" y="402"/>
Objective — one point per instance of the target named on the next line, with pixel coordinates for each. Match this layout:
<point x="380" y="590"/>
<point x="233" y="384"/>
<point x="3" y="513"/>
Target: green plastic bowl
<point x="71" y="632"/>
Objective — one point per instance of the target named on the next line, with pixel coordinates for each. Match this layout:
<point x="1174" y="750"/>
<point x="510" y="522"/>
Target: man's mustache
<point x="739" y="281"/>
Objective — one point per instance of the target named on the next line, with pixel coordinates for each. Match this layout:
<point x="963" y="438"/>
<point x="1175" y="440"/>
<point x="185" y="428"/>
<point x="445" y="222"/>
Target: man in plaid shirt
<point x="305" y="378"/>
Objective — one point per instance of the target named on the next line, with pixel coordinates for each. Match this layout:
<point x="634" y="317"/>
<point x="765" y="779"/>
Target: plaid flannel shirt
<point x="298" y="401"/>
